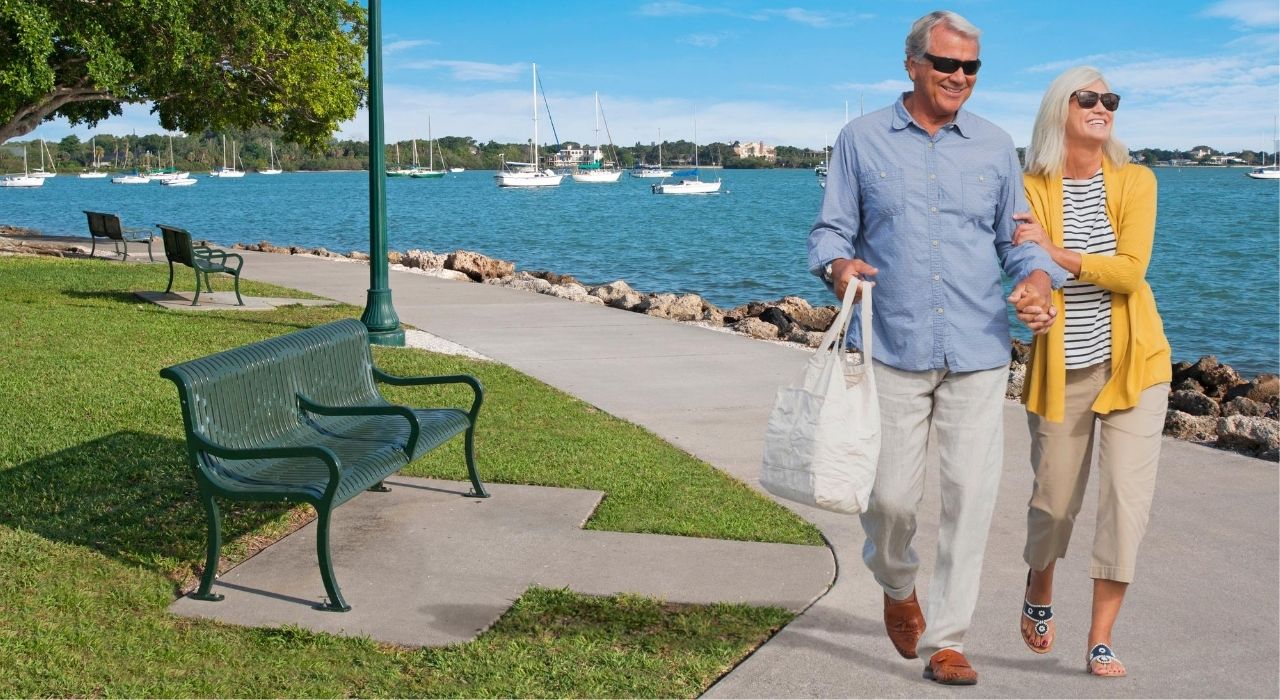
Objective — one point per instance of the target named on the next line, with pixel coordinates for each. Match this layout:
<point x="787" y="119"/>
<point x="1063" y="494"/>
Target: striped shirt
<point x="1086" y="229"/>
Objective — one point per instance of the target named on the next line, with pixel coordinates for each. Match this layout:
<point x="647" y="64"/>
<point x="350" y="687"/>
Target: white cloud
<point x="404" y="44"/>
<point x="705" y="41"/>
<point x="674" y="9"/>
<point x="884" y="86"/>
<point x="815" y="19"/>
<point x="1246" y="13"/>
<point x="471" y="70"/>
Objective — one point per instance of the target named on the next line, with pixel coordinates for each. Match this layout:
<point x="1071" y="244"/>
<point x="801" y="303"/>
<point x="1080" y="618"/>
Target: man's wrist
<point x="826" y="274"/>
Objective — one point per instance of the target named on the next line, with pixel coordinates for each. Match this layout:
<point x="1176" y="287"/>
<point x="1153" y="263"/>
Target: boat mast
<point x="431" y="147"/>
<point x="597" y="121"/>
<point x="659" y="147"/>
<point x="533" y="153"/>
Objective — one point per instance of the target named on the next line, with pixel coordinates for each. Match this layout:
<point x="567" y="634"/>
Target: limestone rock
<point x="554" y="278"/>
<point x="321" y="253"/>
<point x="756" y="328"/>
<point x="476" y="266"/>
<point x="678" y="308"/>
<point x="1193" y="403"/>
<point x="1264" y="388"/>
<point x="394" y="257"/>
<point x="1185" y="426"/>
<point x="798" y="334"/>
<point x="1019" y="351"/>
<point x="358" y="255"/>
<point x="1188" y="384"/>
<point x="1251" y="434"/>
<point x="712" y="314"/>
<point x="631" y="301"/>
<point x="808" y="317"/>
<point x="571" y="291"/>
<point x="748" y="310"/>
<point x="423" y="260"/>
<point x="1017" y="376"/>
<point x="1243" y="406"/>
<point x="609" y="293"/>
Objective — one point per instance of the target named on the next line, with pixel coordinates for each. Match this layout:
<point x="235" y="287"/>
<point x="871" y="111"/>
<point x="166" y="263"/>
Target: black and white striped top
<point x="1086" y="229"/>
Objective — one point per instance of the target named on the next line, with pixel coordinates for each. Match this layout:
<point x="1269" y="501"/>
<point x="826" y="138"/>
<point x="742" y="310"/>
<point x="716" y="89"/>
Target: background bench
<point x="104" y="225"/>
<point x="299" y="418"/>
<point x="178" y="248"/>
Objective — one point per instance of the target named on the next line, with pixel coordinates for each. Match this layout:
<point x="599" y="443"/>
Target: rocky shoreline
<point x="1210" y="404"/>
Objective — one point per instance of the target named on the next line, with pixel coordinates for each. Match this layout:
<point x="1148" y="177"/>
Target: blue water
<point x="1214" y="268"/>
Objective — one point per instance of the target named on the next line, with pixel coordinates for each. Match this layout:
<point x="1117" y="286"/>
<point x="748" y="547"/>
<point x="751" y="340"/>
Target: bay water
<point x="1215" y="268"/>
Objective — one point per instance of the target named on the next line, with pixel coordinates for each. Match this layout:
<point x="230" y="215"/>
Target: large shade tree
<point x="291" y="65"/>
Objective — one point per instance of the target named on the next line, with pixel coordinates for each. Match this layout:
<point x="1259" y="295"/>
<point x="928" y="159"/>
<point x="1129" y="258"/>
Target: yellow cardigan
<point x="1140" y="354"/>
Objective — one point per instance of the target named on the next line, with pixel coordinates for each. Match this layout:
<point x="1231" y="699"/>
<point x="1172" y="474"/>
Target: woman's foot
<point x="1037" y="618"/>
<point x="1101" y="661"/>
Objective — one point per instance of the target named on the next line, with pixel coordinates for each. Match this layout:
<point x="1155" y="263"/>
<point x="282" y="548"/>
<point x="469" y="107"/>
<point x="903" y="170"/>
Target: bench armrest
<point x="319" y="452"/>
<point x="138" y="231"/>
<point x="391" y="410"/>
<point x="217" y="256"/>
<point x="467" y="379"/>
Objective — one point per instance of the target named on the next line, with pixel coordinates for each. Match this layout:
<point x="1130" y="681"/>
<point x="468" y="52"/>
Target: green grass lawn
<point x="100" y="528"/>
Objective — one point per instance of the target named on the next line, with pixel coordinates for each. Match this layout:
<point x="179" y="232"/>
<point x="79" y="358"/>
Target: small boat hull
<point x="687" y="187"/>
<point x="21" y="181"/>
<point x="597" y="176"/>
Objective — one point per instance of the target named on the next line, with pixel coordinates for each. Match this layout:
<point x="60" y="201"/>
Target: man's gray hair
<point x="918" y="39"/>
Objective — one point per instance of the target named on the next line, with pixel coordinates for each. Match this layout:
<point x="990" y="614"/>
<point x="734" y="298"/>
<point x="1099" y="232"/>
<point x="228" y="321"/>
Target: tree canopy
<point x="295" y="66"/>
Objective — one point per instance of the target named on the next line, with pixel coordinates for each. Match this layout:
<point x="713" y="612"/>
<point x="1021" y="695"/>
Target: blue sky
<point x="1190" y="72"/>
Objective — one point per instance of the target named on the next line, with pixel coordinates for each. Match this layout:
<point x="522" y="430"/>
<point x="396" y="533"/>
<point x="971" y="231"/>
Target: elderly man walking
<point x="921" y="195"/>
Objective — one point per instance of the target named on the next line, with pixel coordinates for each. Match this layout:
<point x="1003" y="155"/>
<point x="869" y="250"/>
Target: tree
<point x="292" y="65"/>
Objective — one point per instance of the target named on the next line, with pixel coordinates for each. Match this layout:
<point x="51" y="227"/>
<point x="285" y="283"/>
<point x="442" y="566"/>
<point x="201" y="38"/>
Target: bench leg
<point x="336" y="602"/>
<point x="170" y="285"/>
<point x="125" y="254"/>
<point x="149" y="256"/>
<point x="239" y="301"/>
<point x="214" y="544"/>
<point x="93" y="244"/>
<point x="195" y="301"/>
<point x="477" y="488"/>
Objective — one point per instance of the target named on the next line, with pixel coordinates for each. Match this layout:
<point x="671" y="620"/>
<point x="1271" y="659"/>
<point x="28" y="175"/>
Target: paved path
<point x="1201" y="620"/>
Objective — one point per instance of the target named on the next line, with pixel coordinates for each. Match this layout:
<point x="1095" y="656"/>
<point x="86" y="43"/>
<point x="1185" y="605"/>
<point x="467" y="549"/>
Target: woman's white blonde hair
<point x="1047" y="153"/>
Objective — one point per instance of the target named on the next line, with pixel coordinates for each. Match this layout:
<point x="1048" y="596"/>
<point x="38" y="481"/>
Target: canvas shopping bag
<point x="823" y="437"/>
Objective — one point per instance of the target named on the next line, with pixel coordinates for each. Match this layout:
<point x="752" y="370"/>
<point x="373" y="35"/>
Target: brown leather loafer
<point x="949" y="667"/>
<point x="905" y="624"/>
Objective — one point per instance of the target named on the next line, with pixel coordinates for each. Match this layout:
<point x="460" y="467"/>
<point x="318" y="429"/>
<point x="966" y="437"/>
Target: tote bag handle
<point x="833" y="340"/>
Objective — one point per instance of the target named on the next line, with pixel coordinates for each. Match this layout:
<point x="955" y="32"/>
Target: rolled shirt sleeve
<point x="1018" y="261"/>
<point x="835" y="233"/>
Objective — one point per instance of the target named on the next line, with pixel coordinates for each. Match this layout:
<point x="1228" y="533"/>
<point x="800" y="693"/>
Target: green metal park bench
<point x="178" y="248"/>
<point x="108" y="226"/>
<point x="299" y="418"/>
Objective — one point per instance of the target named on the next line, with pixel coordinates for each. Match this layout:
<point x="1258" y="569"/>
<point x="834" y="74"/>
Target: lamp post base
<point x="392" y="338"/>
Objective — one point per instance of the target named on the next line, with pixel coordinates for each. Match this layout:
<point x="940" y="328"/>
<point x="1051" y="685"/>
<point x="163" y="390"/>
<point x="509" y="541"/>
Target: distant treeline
<point x="203" y="152"/>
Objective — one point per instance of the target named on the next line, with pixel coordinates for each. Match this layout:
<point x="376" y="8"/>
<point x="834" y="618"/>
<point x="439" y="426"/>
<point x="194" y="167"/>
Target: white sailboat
<point x="598" y="170"/>
<point x="515" y="174"/>
<point x="162" y="174"/>
<point x="40" y="172"/>
<point x="137" y="178"/>
<point x="644" y="170"/>
<point x="93" y="162"/>
<point x="274" y="169"/>
<point x="225" y="171"/>
<point x="690" y="182"/>
<point x="429" y="171"/>
<point x="23" y="180"/>
<point x="1269" y="172"/>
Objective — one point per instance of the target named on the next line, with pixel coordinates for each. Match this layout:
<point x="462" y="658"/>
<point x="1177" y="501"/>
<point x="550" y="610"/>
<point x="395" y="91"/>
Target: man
<point x="922" y="196"/>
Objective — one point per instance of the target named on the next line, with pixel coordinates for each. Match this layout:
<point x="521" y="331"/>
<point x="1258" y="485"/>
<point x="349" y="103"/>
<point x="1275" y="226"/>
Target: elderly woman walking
<point x="1103" y="373"/>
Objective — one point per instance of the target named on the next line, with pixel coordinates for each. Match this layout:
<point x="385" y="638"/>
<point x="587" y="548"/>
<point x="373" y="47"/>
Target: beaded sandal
<point x="1040" y="616"/>
<point x="1103" y="657"/>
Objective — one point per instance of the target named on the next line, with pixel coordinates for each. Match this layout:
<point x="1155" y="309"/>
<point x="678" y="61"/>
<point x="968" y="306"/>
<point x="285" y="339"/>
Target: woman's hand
<point x="1030" y="231"/>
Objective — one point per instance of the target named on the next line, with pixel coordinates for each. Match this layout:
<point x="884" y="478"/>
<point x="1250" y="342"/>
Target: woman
<point x="1108" y="359"/>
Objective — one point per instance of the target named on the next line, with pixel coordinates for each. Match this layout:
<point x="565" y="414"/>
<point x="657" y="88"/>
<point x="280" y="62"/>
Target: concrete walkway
<point x="1201" y="619"/>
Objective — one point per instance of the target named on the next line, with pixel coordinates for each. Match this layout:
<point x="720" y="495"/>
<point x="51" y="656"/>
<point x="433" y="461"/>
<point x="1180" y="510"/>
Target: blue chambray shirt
<point x="934" y="215"/>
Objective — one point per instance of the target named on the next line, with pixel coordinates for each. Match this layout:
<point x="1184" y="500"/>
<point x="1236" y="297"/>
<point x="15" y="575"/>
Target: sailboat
<point x="690" y="183"/>
<point x="598" y="170"/>
<point x="164" y="175"/>
<point x="137" y="178"/>
<point x="274" y="169"/>
<point x="514" y="174"/>
<point x="398" y="170"/>
<point x="652" y="171"/>
<point x="40" y="172"/>
<point x="225" y="171"/>
<point x="821" y="169"/>
<point x="23" y="180"/>
<point x="430" y="171"/>
<point x="93" y="162"/>
<point x="1269" y="172"/>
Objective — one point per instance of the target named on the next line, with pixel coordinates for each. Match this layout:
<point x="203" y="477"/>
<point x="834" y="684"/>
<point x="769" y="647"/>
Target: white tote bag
<point x="823" y="438"/>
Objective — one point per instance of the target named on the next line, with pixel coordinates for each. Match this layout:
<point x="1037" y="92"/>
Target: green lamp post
<point x="379" y="314"/>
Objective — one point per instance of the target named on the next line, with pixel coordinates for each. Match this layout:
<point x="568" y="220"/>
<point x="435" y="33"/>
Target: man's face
<point x="937" y="94"/>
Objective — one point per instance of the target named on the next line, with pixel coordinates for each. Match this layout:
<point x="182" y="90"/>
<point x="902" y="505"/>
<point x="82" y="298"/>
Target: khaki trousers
<point x="965" y="411"/>
<point x="1061" y="455"/>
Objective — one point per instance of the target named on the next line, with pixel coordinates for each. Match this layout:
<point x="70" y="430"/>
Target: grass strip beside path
<point x="100" y="519"/>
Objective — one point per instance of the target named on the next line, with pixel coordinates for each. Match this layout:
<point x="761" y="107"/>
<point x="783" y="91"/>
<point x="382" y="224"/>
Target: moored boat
<point x="527" y="175"/>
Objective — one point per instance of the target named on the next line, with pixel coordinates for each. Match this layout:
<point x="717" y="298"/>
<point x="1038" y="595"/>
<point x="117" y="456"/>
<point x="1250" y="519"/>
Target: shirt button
<point x="933" y="209"/>
<point x="932" y="176"/>
<point x="881" y="173"/>
<point x="982" y="178"/>
<point x="939" y="309"/>
<point x="931" y="145"/>
<point x="935" y="244"/>
<point x="937" y="277"/>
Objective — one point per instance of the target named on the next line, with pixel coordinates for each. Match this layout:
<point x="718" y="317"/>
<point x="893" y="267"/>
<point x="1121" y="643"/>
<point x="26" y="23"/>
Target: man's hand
<point x="843" y="269"/>
<point x="1033" y="300"/>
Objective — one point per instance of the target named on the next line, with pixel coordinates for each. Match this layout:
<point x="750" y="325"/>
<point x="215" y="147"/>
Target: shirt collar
<point x="962" y="123"/>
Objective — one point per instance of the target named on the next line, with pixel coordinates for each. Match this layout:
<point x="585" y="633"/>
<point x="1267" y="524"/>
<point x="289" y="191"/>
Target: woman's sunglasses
<point x="1088" y="98"/>
<point x="949" y="65"/>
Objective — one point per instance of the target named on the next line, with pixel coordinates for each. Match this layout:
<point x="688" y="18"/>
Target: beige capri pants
<point x="1128" y="454"/>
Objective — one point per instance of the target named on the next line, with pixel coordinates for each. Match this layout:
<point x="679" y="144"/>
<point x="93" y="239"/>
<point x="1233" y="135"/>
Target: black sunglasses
<point x="1088" y="98"/>
<point x="949" y="65"/>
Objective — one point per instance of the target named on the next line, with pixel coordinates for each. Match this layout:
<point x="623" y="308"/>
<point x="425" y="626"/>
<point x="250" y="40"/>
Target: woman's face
<point x="1090" y="126"/>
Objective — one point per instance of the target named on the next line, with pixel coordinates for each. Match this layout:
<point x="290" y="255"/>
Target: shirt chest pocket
<point x="980" y="194"/>
<point x="884" y="193"/>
